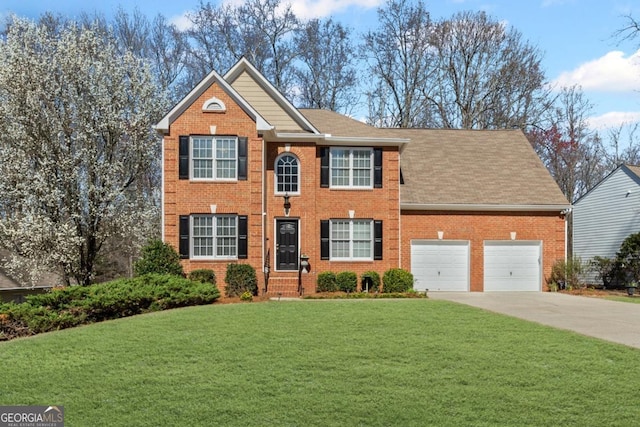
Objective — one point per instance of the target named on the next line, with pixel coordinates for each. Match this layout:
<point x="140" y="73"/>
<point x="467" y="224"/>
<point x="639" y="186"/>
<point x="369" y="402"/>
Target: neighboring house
<point x="11" y="290"/>
<point x="606" y="215"/>
<point x="248" y="178"/>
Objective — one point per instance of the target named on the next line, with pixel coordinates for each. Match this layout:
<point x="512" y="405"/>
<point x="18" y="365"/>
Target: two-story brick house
<point x="248" y="178"/>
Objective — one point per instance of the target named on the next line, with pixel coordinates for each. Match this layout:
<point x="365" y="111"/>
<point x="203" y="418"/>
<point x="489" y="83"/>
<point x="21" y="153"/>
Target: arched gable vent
<point x="213" y="104"/>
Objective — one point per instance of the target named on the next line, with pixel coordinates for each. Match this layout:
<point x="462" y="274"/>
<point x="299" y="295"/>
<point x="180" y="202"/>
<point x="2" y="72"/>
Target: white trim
<point x="481" y="207"/>
<point x="328" y="139"/>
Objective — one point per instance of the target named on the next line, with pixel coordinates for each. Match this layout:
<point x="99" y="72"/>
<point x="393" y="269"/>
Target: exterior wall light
<point x="287" y="205"/>
<point x="304" y="263"/>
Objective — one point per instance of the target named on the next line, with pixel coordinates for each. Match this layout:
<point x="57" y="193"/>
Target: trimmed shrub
<point x="240" y="278"/>
<point x="327" y="282"/>
<point x="158" y="258"/>
<point x="347" y="281"/>
<point x="373" y="277"/>
<point x="566" y="274"/>
<point x="203" y="275"/>
<point x="397" y="280"/>
<point x="76" y="305"/>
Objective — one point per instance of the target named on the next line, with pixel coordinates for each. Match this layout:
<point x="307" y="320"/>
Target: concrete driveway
<point x="613" y="321"/>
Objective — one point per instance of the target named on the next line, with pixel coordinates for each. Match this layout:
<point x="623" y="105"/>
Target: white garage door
<point x="440" y="265"/>
<point x="512" y="266"/>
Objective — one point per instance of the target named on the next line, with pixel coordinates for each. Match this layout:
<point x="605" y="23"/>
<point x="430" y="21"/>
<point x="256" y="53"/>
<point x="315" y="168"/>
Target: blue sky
<point x="576" y="36"/>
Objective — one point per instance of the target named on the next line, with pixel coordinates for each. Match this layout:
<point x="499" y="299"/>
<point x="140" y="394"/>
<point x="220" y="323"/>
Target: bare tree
<point x="630" y="30"/>
<point x="487" y="76"/>
<point x="210" y="39"/>
<point x="260" y="30"/>
<point x="399" y="58"/>
<point x="571" y="151"/>
<point x="624" y="143"/>
<point x="327" y="78"/>
<point x="75" y="146"/>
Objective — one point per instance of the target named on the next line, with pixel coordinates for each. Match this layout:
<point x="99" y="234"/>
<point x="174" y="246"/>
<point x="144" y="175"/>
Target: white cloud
<point x="614" y="119"/>
<point x="303" y="9"/>
<point x="609" y="73"/>
<point x="181" y="21"/>
<point x="308" y="9"/>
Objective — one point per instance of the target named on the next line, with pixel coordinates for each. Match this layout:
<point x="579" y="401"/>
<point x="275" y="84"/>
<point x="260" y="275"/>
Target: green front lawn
<point x="323" y="363"/>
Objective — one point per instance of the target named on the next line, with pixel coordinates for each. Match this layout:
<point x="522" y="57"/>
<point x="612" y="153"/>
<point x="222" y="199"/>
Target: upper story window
<point x="287" y="170"/>
<point x="212" y="158"/>
<point x="351" y="167"/>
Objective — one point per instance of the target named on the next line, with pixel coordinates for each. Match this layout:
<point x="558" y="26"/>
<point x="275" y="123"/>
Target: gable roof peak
<point x="212" y="78"/>
<point x="244" y="66"/>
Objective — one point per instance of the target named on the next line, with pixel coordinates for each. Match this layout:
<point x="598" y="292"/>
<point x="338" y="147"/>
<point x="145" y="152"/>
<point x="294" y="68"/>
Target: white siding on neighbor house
<point x="605" y="216"/>
<point x="266" y="106"/>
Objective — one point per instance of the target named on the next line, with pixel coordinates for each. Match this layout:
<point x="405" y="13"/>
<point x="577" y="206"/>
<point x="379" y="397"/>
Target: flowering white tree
<point x="76" y="148"/>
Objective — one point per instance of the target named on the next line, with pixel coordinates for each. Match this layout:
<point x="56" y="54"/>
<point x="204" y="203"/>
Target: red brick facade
<point x="256" y="199"/>
<point x="478" y="227"/>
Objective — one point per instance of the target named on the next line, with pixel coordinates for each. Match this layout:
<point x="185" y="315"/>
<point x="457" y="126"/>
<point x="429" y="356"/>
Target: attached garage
<point x="440" y="265"/>
<point x="512" y="266"/>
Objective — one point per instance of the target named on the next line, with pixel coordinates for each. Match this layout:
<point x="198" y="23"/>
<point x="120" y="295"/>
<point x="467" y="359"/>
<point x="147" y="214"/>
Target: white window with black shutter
<point x="351" y="239"/>
<point x="350" y="168"/>
<point x="212" y="158"/>
<point x="206" y="236"/>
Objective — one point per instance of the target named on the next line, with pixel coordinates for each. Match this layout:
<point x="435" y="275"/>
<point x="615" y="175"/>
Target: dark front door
<point x="287" y="244"/>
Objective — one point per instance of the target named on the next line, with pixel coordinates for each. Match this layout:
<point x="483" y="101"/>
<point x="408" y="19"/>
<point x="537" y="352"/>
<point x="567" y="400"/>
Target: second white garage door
<point x="440" y="265"/>
<point x="512" y="266"/>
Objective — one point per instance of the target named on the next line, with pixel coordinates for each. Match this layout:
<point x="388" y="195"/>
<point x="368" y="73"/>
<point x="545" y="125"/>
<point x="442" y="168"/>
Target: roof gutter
<point x="339" y="140"/>
<point x="484" y="207"/>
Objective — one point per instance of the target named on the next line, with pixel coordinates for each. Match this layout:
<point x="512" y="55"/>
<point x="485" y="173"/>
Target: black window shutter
<point x="242" y="158"/>
<point x="377" y="168"/>
<point x="184" y="236"/>
<point x="183" y="157"/>
<point x="377" y="239"/>
<point x="243" y="231"/>
<point x="324" y="239"/>
<point x="324" y="167"/>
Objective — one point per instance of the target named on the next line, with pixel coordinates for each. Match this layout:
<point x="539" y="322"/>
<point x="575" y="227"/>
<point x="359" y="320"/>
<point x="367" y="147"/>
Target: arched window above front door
<point x="287" y="170"/>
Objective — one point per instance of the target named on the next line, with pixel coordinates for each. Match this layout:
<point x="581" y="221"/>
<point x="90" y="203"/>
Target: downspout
<point x="162" y="224"/>
<point x="264" y="213"/>
<point x="566" y="213"/>
<point x="399" y="212"/>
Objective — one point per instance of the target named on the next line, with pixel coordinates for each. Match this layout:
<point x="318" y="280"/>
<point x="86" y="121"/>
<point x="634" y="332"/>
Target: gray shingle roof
<point x="459" y="167"/>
